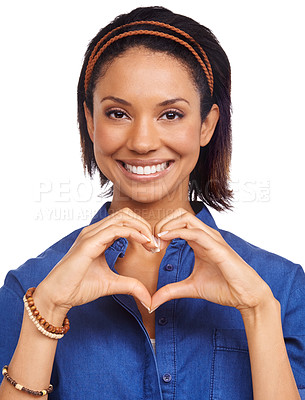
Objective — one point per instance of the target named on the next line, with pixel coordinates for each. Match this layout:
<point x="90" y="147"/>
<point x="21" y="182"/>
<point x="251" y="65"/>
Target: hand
<point x="83" y="274"/>
<point x="220" y="275"/>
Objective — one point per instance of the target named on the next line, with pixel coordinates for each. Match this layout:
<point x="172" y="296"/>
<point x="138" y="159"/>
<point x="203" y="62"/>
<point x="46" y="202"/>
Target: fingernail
<point x="162" y="233"/>
<point x="144" y="305"/>
<point x="153" y="310"/>
<point x="157" y="241"/>
<point x="156" y="250"/>
<point x="146" y="237"/>
<point x="157" y="244"/>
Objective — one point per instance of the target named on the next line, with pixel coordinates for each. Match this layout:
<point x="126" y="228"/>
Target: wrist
<point x="267" y="310"/>
<point x="47" y="308"/>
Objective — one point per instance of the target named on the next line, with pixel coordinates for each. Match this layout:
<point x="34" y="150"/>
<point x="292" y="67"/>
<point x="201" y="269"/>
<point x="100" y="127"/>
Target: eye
<point x="171" y="115"/>
<point x="116" y="114"/>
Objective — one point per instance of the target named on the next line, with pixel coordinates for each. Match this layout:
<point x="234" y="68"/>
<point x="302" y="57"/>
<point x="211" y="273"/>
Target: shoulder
<point x="34" y="270"/>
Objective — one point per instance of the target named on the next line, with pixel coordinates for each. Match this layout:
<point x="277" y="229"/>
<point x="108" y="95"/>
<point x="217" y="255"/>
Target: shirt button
<point x="167" y="378"/>
<point x="169" y="267"/>
<point x="162" y="321"/>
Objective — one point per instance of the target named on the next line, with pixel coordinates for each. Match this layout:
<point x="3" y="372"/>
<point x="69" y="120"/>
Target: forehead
<point x="140" y="67"/>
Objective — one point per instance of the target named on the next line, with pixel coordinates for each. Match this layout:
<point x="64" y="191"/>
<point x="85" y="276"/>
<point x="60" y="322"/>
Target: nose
<point x="143" y="136"/>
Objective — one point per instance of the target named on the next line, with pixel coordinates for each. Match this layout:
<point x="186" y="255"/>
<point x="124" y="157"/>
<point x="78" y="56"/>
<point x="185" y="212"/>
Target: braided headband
<point x="97" y="53"/>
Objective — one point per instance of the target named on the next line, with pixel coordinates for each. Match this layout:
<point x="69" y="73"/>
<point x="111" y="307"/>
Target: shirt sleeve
<point x="11" y="315"/>
<point x="294" y="330"/>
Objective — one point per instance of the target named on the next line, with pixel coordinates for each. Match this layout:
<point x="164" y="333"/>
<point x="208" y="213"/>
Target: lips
<point x="145" y="169"/>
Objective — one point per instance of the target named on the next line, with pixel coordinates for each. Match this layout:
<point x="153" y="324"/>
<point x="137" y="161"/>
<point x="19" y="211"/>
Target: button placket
<point x="165" y="327"/>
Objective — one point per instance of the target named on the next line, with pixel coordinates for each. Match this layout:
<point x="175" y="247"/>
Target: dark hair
<point x="210" y="178"/>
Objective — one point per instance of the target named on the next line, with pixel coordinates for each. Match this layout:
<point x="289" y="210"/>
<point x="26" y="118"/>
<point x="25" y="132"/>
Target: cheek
<point x="187" y="142"/>
<point x="106" y="142"/>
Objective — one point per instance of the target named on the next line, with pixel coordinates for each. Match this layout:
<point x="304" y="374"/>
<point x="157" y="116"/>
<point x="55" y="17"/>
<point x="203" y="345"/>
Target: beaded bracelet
<point x="41" y="324"/>
<point x="24" y="389"/>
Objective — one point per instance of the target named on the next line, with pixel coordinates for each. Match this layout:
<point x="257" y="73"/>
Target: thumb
<point x="133" y="287"/>
<point x="172" y="291"/>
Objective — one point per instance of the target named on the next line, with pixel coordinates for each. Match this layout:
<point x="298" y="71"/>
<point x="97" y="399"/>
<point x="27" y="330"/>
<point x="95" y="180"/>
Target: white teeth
<point x="147" y="170"/>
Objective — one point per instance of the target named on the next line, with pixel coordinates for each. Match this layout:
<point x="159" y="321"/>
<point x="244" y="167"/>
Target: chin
<point x="141" y="195"/>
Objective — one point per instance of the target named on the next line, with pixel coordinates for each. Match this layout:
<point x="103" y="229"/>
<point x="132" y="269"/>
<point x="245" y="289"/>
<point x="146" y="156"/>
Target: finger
<point x="189" y="221"/>
<point x="206" y="247"/>
<point x="122" y="219"/>
<point x="167" y="218"/>
<point x="192" y="236"/>
<point x="78" y="259"/>
<point x="172" y="291"/>
<point x="131" y="286"/>
<point x="132" y="223"/>
<point x="161" y="243"/>
<point x="231" y="265"/>
<point x="125" y="216"/>
<point x="134" y="215"/>
<point x="91" y="247"/>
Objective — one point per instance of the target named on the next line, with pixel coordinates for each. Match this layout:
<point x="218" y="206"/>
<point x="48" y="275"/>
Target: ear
<point x="89" y="119"/>
<point x="209" y="125"/>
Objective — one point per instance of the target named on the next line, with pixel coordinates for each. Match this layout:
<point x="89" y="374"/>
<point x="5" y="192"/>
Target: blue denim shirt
<point x="201" y="347"/>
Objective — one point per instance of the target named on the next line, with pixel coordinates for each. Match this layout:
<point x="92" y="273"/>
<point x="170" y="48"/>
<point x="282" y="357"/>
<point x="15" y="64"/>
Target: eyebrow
<point x="162" y="104"/>
<point x="172" y="101"/>
<point x="117" y="99"/>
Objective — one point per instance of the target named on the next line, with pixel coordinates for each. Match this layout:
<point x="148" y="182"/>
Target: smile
<point x="147" y="169"/>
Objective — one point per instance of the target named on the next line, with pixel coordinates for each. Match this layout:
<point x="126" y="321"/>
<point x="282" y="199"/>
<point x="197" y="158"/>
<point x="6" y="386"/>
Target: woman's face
<point x="146" y="126"/>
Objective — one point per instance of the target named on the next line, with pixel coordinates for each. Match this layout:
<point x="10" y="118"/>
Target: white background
<point x="44" y="194"/>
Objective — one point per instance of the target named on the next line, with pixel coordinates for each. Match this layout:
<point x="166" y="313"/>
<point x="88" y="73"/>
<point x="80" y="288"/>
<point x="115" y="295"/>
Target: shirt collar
<point x="120" y="245"/>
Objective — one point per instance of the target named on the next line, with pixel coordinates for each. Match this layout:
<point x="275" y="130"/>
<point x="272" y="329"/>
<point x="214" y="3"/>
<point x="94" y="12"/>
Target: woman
<point x="185" y="310"/>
